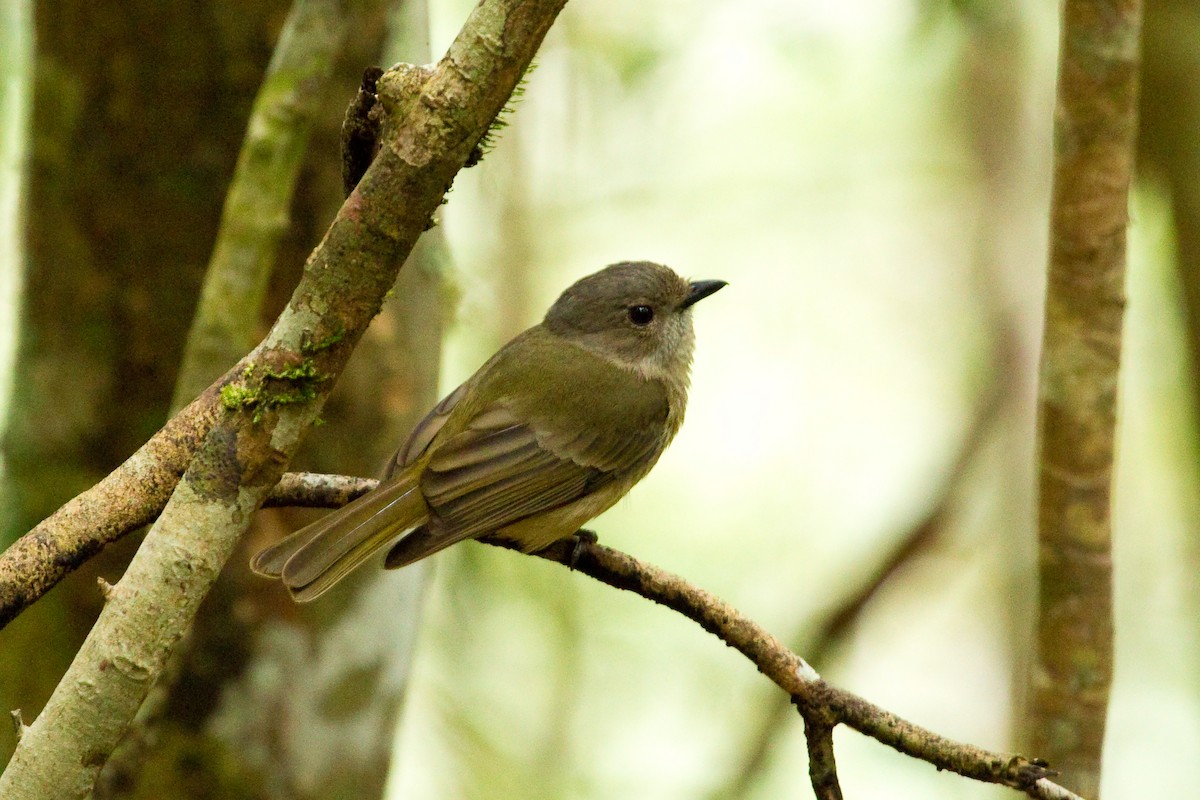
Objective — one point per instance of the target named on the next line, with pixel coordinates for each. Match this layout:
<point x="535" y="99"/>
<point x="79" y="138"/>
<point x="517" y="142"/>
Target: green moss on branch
<point x="273" y="388"/>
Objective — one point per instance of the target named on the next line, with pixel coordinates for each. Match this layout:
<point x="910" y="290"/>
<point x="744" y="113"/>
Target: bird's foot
<point x="583" y="539"/>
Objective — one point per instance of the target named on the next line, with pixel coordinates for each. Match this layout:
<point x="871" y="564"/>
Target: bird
<point x="551" y="431"/>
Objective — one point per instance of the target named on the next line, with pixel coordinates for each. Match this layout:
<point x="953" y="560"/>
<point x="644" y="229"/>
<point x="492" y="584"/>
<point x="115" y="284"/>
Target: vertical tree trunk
<point x="275" y="700"/>
<point x="127" y="171"/>
<point x="1095" y="127"/>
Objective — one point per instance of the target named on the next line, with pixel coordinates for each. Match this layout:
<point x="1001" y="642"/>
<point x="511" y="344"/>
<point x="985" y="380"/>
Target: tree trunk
<point x="127" y="171"/>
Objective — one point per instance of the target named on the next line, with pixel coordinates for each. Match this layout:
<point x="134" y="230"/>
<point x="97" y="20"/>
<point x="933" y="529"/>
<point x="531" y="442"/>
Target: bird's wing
<point x="425" y="431"/>
<point x="500" y="470"/>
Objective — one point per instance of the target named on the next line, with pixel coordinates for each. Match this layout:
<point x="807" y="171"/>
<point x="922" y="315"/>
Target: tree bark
<point x="122" y="133"/>
<point x="1077" y="397"/>
<point x="270" y="403"/>
<point x="202" y="732"/>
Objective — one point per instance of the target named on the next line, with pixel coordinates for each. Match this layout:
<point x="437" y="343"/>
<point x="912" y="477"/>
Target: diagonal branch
<point x="919" y="539"/>
<point x="272" y="400"/>
<point x="792" y="674"/>
<point x="452" y="115"/>
<point x="823" y="706"/>
<point x="226" y="321"/>
<point x="128" y="498"/>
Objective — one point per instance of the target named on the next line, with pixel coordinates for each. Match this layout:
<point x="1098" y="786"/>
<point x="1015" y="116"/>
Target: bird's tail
<point x="314" y="558"/>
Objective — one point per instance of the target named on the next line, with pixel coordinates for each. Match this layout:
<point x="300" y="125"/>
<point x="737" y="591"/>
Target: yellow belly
<point x="542" y="530"/>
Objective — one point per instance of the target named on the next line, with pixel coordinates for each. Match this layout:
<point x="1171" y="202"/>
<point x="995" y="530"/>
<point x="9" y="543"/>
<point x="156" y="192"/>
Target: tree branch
<point x="787" y="670"/>
<point x="822" y="768"/>
<point x="316" y="490"/>
<point x="919" y="539"/>
<point x="121" y="504"/>
<point x="792" y="674"/>
<point x="271" y="401"/>
<point x="126" y="499"/>
<point x="134" y="494"/>
<point x="823" y="706"/>
<point x="254" y="219"/>
<point x="1095" y="125"/>
<point x="255" y="216"/>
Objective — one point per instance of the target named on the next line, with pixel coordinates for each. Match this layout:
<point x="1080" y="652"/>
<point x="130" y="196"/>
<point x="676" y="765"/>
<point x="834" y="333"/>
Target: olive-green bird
<point x="554" y="429"/>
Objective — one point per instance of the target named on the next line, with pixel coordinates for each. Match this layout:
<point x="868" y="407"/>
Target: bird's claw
<point x="583" y="539"/>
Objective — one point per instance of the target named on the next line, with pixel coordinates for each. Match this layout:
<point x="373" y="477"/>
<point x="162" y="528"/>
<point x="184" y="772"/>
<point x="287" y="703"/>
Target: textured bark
<point x="126" y="499"/>
<point x="333" y="683"/>
<point x="126" y="170"/>
<point x="822" y="705"/>
<point x="822" y="767"/>
<point x="276" y="398"/>
<point x="202" y="732"/>
<point x="257" y="202"/>
<point x="324" y="665"/>
<point x="1077" y="396"/>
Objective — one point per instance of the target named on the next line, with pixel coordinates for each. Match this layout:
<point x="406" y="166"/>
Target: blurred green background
<point x="872" y="179"/>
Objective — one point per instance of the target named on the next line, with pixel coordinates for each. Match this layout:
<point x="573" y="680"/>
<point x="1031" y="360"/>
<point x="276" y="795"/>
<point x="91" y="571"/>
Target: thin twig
<point x="827" y="705"/>
<point x="771" y="657"/>
<point x="822" y="767"/>
<point x="792" y="674"/>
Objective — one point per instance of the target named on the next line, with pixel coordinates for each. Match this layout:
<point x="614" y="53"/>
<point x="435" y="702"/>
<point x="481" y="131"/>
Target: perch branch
<point x="919" y="539"/>
<point x="315" y="490"/>
<point x="121" y="504"/>
<point x="792" y="674"/>
<point x="771" y="657"/>
<point x="823" y="705"/>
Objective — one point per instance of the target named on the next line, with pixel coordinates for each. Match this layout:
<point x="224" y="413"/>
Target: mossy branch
<point x="239" y="459"/>
<point x="255" y="217"/>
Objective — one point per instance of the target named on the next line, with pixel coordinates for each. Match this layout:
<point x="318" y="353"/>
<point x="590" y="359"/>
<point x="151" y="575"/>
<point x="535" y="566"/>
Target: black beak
<point x="701" y="290"/>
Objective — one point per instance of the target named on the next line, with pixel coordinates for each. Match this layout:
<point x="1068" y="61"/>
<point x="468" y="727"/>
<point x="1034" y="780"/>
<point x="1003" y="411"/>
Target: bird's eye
<point x="641" y="315"/>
